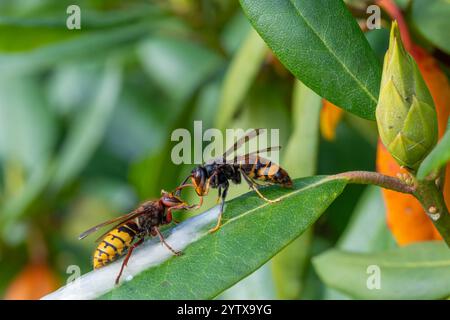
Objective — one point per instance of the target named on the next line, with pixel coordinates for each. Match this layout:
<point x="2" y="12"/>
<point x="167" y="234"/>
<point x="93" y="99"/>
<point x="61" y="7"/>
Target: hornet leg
<point x="163" y="241"/>
<point x="219" y="195"/>
<point x="127" y="257"/>
<point x="182" y="207"/>
<point x="222" y="205"/>
<point x="254" y="186"/>
<point x="182" y="185"/>
<point x="179" y="188"/>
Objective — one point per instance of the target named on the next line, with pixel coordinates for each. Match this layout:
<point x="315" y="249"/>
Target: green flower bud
<point x="405" y="113"/>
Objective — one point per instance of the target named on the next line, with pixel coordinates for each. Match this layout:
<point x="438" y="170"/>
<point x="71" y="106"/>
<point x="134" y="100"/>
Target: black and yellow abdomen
<point x="114" y="244"/>
<point x="265" y="170"/>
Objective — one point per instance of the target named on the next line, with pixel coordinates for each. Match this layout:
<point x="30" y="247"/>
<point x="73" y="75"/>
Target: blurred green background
<point x="86" y="117"/>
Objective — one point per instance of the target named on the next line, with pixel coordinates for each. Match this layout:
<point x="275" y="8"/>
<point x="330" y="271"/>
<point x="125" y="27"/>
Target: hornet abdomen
<point x="263" y="169"/>
<point x="114" y="244"/>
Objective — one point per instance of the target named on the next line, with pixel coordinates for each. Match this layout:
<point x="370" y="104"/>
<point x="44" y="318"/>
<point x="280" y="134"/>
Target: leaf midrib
<point x="265" y="204"/>
<point x="298" y="12"/>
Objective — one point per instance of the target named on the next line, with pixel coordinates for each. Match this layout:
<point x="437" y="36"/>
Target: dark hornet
<point x="130" y="230"/>
<point x="218" y="173"/>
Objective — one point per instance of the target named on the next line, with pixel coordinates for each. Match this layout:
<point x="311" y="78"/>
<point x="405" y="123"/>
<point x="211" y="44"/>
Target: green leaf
<point x="312" y="39"/>
<point x="367" y="230"/>
<point x="257" y="286"/>
<point x="431" y="18"/>
<point x="28" y="131"/>
<point x="78" y="46"/>
<point x="240" y="75"/>
<point x="24" y="32"/>
<point x="289" y="267"/>
<point x="27" y="126"/>
<point x="403" y="4"/>
<point x="300" y="160"/>
<point x="206" y="104"/>
<point x="20" y="38"/>
<point x="379" y="42"/>
<point x="265" y="107"/>
<point x="87" y="131"/>
<point x="235" y="32"/>
<point x="252" y="232"/>
<point x="301" y="151"/>
<point x="437" y="158"/>
<point x="418" y="271"/>
<point x="20" y="204"/>
<point x="141" y="118"/>
<point x="144" y="174"/>
<point x="81" y="77"/>
<point x="177" y="66"/>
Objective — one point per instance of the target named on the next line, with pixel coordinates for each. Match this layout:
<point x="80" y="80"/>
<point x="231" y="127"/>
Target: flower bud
<point x="405" y="113"/>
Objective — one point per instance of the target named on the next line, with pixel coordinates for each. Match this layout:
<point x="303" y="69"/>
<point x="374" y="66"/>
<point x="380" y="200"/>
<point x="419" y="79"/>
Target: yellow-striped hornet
<point x="218" y="172"/>
<point x="131" y="229"/>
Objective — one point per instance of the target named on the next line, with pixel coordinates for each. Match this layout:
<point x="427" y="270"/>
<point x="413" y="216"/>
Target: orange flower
<point x="330" y="116"/>
<point x="439" y="88"/>
<point x="405" y="216"/>
<point x="33" y="282"/>
<point x="438" y="84"/>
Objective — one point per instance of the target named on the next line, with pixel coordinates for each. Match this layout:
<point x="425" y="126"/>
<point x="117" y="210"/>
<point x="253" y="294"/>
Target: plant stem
<point x="426" y="191"/>
<point x="433" y="203"/>
<point x="378" y="179"/>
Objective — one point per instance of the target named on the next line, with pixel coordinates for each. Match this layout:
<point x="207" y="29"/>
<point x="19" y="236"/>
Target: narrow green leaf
<point x="177" y="66"/>
<point x="365" y="128"/>
<point x="88" y="129"/>
<point x="403" y="4"/>
<point x="27" y="137"/>
<point x="312" y="39"/>
<point x="265" y="107"/>
<point x="93" y="17"/>
<point x="144" y="174"/>
<point x="418" y="271"/>
<point x="367" y="230"/>
<point x="431" y="18"/>
<point x="81" y="78"/>
<point x="257" y="286"/>
<point x="240" y="75"/>
<point x="379" y="42"/>
<point x="21" y="38"/>
<point x="235" y="32"/>
<point x="301" y="151"/>
<point x="16" y="206"/>
<point x="437" y="158"/>
<point x="290" y="265"/>
<point x="19" y="32"/>
<point x="79" y="46"/>
<point x="252" y="229"/>
<point x="300" y="160"/>
<point x="27" y="126"/>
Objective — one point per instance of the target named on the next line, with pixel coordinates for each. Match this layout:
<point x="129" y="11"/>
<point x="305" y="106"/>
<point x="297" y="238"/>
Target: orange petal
<point x="330" y="116"/>
<point x="33" y="282"/>
<point x="439" y="87"/>
<point x="401" y="208"/>
<point x="438" y="84"/>
<point x="405" y="217"/>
